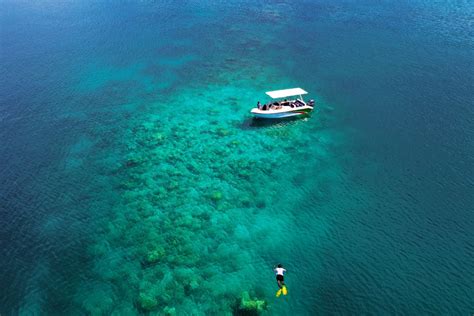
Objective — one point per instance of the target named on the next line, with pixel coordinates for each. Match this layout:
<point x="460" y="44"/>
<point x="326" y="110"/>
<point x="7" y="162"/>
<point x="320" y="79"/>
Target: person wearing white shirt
<point x="279" y="271"/>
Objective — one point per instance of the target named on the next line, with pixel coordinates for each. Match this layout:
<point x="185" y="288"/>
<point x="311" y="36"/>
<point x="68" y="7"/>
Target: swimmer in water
<point x="280" y="271"/>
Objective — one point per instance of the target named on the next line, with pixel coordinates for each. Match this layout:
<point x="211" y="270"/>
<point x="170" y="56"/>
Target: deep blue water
<point x="133" y="179"/>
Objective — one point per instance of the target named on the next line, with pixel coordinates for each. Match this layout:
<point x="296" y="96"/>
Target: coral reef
<point x="196" y="193"/>
<point x="155" y="255"/>
<point x="147" y="302"/>
<point x="251" y="304"/>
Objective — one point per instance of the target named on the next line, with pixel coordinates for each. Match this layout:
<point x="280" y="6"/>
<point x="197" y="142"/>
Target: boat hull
<point x="278" y="114"/>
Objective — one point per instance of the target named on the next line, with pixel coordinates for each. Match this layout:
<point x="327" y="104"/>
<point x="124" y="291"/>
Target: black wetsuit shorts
<point x="279" y="277"/>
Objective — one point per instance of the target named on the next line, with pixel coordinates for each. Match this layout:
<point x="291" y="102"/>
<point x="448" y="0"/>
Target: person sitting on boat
<point x="285" y="102"/>
<point x="258" y="105"/>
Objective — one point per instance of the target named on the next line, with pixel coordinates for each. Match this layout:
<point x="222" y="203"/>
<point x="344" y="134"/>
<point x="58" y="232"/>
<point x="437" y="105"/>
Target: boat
<point x="279" y="108"/>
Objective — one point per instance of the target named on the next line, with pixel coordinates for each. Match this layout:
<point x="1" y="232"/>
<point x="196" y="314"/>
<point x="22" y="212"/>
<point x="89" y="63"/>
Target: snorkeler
<point x="279" y="271"/>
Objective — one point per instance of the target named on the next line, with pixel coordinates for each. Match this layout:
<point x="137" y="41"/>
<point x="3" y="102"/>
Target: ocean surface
<point x="133" y="179"/>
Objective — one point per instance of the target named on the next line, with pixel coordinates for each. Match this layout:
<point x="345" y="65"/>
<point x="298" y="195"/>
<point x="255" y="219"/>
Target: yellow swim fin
<point x="278" y="293"/>
<point x="284" y="290"/>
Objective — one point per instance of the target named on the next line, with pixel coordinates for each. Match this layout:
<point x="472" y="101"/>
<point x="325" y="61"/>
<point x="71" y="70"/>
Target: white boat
<point x="279" y="108"/>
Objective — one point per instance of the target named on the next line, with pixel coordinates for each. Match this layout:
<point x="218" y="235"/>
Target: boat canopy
<point x="285" y="93"/>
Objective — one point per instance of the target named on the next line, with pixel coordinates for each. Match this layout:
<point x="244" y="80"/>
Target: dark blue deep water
<point x="133" y="179"/>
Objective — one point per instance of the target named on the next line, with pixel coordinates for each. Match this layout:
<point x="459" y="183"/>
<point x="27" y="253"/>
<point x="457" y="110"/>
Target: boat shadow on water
<point x="254" y="122"/>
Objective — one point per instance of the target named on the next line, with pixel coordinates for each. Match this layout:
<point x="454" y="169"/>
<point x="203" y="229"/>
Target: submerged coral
<point x="147" y="302"/>
<point x="249" y="306"/>
<point x="155" y="255"/>
<point x="195" y="209"/>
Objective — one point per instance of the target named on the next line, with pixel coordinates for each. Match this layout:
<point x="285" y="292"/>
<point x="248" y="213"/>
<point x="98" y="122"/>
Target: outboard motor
<point x="311" y="103"/>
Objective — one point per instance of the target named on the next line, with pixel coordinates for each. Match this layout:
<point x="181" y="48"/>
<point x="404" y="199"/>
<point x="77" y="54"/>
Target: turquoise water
<point x="134" y="181"/>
